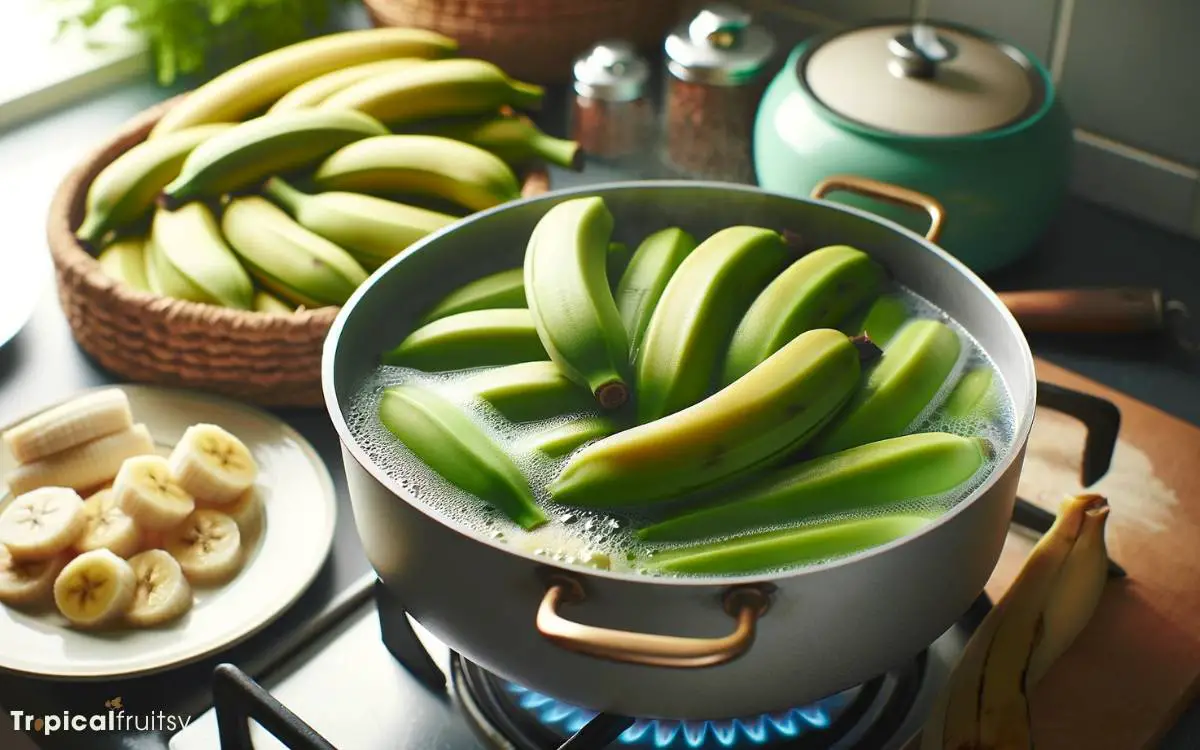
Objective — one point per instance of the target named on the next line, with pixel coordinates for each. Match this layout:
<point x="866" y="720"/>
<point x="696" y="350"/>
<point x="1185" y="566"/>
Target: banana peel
<point x="985" y="703"/>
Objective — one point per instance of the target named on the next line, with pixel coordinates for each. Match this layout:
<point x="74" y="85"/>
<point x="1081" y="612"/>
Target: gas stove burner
<point x="512" y="717"/>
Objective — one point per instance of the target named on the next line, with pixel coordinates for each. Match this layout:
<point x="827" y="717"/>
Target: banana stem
<point x="283" y="193"/>
<point x="527" y="95"/>
<point x="867" y="350"/>
<point x="564" y="153"/>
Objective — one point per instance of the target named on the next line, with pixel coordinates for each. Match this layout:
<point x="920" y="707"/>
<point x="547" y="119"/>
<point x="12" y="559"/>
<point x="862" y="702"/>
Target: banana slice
<point x="40" y="524"/>
<point x="208" y="547"/>
<point x="148" y="494"/>
<point x="108" y="527"/>
<point x="74" y="423"/>
<point x="163" y="592"/>
<point x="94" y="588"/>
<point x="248" y="512"/>
<point x="213" y="464"/>
<point x="30" y="582"/>
<point x="84" y="466"/>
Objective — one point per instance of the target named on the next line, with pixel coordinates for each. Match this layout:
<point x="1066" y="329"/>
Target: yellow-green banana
<point x="771" y="412"/>
<point x="503" y="289"/>
<point x="424" y="166"/>
<point x="446" y="440"/>
<point x="253" y="85"/>
<point x="303" y="267"/>
<point x="191" y="240"/>
<point x="268" y="303"/>
<point x="516" y="140"/>
<point x="645" y="278"/>
<point x="311" y="93"/>
<point x="880" y="320"/>
<point x="557" y="442"/>
<point x="689" y="329"/>
<point x="774" y="550"/>
<point x="816" y="291"/>
<point x="369" y="228"/>
<point x="125" y="260"/>
<point x="529" y="391"/>
<point x="479" y="338"/>
<point x="864" y="478"/>
<point x="125" y="191"/>
<point x="249" y="153"/>
<point x="439" y="88"/>
<point x="914" y="367"/>
<point x="166" y="280"/>
<point x="973" y="395"/>
<point x="566" y="284"/>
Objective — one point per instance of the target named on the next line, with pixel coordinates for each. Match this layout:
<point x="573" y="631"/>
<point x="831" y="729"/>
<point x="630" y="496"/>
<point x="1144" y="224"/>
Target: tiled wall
<point x="1128" y="72"/>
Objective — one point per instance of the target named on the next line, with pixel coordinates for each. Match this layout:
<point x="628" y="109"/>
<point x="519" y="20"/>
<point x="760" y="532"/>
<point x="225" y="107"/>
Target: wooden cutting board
<point x="1136" y="667"/>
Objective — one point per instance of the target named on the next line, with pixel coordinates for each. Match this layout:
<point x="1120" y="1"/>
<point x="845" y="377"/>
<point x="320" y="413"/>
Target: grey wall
<point x="1128" y="72"/>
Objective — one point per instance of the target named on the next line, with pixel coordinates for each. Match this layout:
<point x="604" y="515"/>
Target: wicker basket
<point x="269" y="359"/>
<point x="533" y="40"/>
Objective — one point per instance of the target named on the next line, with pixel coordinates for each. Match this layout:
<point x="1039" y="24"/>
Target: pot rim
<point x="336" y="415"/>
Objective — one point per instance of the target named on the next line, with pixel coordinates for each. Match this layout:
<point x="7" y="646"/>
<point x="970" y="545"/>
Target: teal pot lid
<point x="924" y="81"/>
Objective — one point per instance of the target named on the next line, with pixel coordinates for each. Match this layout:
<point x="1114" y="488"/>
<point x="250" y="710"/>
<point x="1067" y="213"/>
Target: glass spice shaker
<point x="715" y="63"/>
<point x="610" y="114"/>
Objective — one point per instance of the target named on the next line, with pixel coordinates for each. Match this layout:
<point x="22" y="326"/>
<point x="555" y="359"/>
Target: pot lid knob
<point x="919" y="51"/>
<point x="719" y="46"/>
<point x="611" y="70"/>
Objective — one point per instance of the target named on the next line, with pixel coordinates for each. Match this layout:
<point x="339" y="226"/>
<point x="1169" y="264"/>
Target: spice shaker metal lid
<point x="720" y="46"/>
<point x="611" y="70"/>
<point x="923" y="80"/>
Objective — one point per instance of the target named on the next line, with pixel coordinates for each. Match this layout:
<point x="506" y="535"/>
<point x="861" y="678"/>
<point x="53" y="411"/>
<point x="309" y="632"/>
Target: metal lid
<point x="719" y="46"/>
<point x="611" y="70"/>
<point x="923" y="80"/>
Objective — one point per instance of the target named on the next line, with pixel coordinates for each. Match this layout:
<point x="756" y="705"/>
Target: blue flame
<point x="678" y="735"/>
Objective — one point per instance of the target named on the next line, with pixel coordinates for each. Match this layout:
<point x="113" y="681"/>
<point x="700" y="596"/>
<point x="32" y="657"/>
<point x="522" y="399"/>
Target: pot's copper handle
<point x="886" y="191"/>
<point x="1121" y="310"/>
<point x="745" y="604"/>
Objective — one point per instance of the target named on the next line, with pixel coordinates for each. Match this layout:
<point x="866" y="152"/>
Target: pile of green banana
<point x="285" y="181"/>
<point x="736" y="389"/>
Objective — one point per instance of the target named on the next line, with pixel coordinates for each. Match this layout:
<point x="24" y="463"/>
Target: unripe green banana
<point x="973" y="396"/>
<point x="125" y="261"/>
<point x="253" y="85"/>
<point x="249" y="153"/>
<point x="619" y="255"/>
<point x="279" y="252"/>
<point x="690" y="327"/>
<point x="566" y="284"/>
<point x="166" y="280"/>
<point x="424" y="166"/>
<point x="446" y="440"/>
<point x="516" y="140"/>
<point x="880" y="320"/>
<point x="371" y="229"/>
<point x="529" y="391"/>
<point x="774" y="550"/>
<point x="311" y="93"/>
<point x="269" y="303"/>
<point x="645" y="278"/>
<point x="479" y="338"/>
<point x="557" y="442"/>
<point x="440" y="88"/>
<point x="124" y="192"/>
<point x="867" y="477"/>
<point x="766" y="415"/>
<point x="191" y="241"/>
<point x="914" y="367"/>
<point x="817" y="291"/>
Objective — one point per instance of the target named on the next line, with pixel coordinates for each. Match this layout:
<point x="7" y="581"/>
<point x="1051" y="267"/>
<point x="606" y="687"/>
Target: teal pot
<point x="942" y="110"/>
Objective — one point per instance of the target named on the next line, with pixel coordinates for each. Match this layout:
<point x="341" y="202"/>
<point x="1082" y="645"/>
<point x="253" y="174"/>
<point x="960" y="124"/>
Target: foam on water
<point x="575" y="536"/>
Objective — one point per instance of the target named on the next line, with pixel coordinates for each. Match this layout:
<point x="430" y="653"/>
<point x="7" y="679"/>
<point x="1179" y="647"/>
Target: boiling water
<point x="576" y="536"/>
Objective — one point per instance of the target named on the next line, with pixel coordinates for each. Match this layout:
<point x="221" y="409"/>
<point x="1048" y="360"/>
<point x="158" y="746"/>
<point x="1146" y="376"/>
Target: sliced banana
<point x="208" y="547"/>
<point x="248" y="512"/>
<point x="71" y="424"/>
<point x="163" y="593"/>
<point x="149" y="494"/>
<point x="108" y="527"/>
<point x="213" y="464"/>
<point x="85" y="466"/>
<point x="95" y="588"/>
<point x="29" y="582"/>
<point x="40" y="524"/>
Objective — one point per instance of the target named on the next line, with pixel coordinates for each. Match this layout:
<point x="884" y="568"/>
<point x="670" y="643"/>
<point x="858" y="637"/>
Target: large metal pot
<point x="676" y="648"/>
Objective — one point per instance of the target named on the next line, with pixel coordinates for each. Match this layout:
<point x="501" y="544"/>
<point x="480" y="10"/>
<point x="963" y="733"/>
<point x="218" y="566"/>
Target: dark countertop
<point x="1088" y="246"/>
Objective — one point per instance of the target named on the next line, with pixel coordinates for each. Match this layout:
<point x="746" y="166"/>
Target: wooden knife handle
<point x="1121" y="310"/>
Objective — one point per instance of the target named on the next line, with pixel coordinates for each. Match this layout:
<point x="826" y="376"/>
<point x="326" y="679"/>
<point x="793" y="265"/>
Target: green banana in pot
<point x="880" y="320"/>
<point x="478" y="338"/>
<point x="529" y="391"/>
<point x="645" y="279"/>
<point x="557" y="442"/>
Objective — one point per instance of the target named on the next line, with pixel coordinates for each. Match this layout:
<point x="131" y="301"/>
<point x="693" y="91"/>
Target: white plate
<point x="301" y="508"/>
